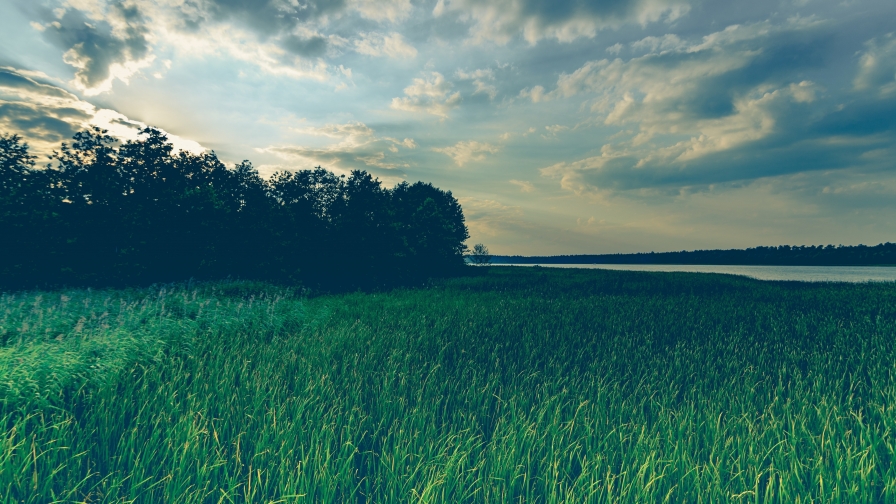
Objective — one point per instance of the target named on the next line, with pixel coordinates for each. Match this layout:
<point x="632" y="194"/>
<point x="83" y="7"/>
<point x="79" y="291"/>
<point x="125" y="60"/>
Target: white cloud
<point x="121" y="71"/>
<point x="877" y="66"/>
<point x="108" y="40"/>
<point x="501" y="20"/>
<point x="224" y="40"/>
<point x="554" y="129"/>
<point x="804" y="91"/>
<point x="357" y="147"/>
<point x="536" y="94"/>
<point x="351" y="130"/>
<point x="383" y="10"/>
<point x="392" y="45"/>
<point x="684" y="102"/>
<point x="572" y="175"/>
<point x="667" y="42"/>
<point x="46" y="115"/>
<point x="465" y="152"/>
<point x="524" y="185"/>
<point x="102" y="41"/>
<point x="485" y="217"/>
<point x="430" y="94"/>
<point x="120" y="126"/>
<point x="482" y="73"/>
<point x="480" y="78"/>
<point x="590" y="221"/>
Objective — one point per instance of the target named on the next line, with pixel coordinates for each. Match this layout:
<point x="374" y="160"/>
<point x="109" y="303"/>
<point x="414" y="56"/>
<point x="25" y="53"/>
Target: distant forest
<point x="784" y="255"/>
<point x="106" y="213"/>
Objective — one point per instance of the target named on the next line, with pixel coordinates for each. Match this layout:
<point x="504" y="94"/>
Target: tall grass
<point x="518" y="385"/>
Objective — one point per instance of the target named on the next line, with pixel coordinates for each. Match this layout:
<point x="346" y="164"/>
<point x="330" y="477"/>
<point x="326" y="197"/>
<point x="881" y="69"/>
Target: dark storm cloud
<point x="94" y="46"/>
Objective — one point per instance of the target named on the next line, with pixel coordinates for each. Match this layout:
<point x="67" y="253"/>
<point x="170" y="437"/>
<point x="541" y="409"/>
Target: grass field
<point x="516" y="385"/>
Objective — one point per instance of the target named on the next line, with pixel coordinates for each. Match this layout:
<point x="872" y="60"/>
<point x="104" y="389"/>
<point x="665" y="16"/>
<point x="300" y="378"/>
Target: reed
<point x="516" y="385"/>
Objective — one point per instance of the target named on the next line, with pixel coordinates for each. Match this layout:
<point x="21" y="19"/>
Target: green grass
<point x="518" y="385"/>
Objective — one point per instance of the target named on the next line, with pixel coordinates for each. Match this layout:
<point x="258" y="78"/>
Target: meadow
<point x="512" y="385"/>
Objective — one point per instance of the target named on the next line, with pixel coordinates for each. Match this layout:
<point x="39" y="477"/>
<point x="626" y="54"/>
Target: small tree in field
<point x="480" y="254"/>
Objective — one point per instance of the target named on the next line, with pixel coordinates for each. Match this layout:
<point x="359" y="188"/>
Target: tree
<point x="105" y="212"/>
<point x="480" y="254"/>
<point x="430" y="226"/>
<point x="15" y="166"/>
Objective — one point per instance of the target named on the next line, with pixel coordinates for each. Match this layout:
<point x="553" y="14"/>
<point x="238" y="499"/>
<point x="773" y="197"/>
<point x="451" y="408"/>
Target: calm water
<point x="802" y="273"/>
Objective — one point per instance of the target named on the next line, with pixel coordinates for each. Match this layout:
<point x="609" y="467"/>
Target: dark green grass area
<point x="515" y="385"/>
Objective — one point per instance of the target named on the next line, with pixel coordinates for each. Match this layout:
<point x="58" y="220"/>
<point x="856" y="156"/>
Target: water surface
<point x="801" y="273"/>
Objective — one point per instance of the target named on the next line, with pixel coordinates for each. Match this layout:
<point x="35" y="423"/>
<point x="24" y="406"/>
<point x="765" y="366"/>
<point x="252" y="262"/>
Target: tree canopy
<point x="106" y="213"/>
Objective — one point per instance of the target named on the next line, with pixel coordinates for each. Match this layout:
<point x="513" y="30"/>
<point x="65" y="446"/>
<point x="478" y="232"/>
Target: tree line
<point x="109" y="213"/>
<point x="783" y="255"/>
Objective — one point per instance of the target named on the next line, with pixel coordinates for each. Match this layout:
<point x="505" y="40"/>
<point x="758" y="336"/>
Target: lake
<point x="800" y="273"/>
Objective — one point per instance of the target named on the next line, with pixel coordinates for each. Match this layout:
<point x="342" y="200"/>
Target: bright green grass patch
<point x="52" y="344"/>
<point x="519" y="385"/>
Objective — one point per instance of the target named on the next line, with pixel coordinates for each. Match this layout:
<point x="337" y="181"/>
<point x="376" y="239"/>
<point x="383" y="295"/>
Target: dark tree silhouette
<point x="105" y="213"/>
<point x="479" y="254"/>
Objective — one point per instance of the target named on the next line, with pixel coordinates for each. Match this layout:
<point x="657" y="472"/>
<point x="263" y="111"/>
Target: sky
<point x="561" y="126"/>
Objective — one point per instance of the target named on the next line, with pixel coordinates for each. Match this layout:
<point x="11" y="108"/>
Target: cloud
<point x="489" y="217"/>
<point x="392" y="45"/>
<point x="667" y="42"/>
<point x="309" y="47"/>
<point x="347" y="131"/>
<point x="105" y="40"/>
<point x="482" y="79"/>
<point x="725" y="107"/>
<point x="123" y="128"/>
<point x="107" y="43"/>
<point x="290" y="55"/>
<point x="297" y="25"/>
<point x="465" y="152"/>
<point x="357" y="147"/>
<point x="46" y="115"/>
<point x="554" y="129"/>
<point x="276" y="16"/>
<point x="524" y="185"/>
<point x="563" y="20"/>
<point x="877" y="66"/>
<point x="536" y="94"/>
<point x="383" y="10"/>
<point x="430" y="94"/>
<point x="615" y="48"/>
